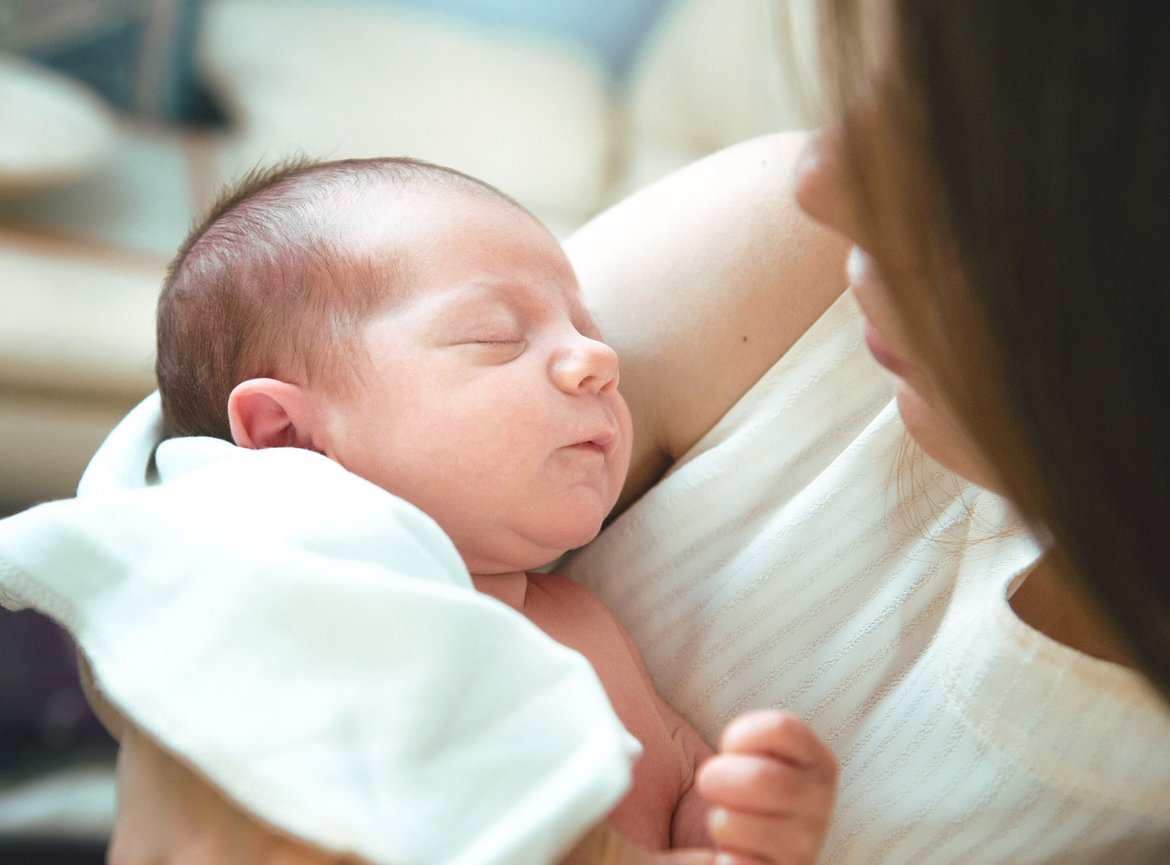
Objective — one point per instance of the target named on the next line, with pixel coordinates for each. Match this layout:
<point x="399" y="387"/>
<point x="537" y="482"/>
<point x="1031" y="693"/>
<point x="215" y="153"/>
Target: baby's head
<point x="276" y="279"/>
<point x="416" y="326"/>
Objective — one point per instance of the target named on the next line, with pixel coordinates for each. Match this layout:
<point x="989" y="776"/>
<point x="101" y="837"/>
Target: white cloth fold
<point x="313" y="645"/>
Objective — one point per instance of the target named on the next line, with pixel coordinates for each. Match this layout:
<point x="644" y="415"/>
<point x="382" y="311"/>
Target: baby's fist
<point x="772" y="787"/>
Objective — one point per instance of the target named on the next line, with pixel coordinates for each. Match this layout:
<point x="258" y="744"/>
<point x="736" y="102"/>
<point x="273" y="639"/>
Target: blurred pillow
<point x="55" y="130"/>
<point x="137" y="54"/>
<point x="713" y="73"/>
<point x="529" y="113"/>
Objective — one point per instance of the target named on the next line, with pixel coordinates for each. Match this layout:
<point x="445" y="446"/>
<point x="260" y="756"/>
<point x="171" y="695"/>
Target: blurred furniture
<point x="56" y="779"/>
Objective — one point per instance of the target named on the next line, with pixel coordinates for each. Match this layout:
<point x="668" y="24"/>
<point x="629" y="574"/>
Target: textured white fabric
<point x="801" y="557"/>
<point x="314" y="646"/>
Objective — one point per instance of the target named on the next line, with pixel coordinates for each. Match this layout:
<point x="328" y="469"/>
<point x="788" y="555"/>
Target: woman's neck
<point x="1056" y="607"/>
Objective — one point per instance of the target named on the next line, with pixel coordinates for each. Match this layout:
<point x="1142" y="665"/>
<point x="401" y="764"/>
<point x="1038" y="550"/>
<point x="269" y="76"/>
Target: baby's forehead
<point x="433" y="194"/>
<point x="425" y="238"/>
<point x="386" y="217"/>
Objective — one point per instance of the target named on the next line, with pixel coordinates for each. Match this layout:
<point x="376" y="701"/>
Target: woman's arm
<point x="701" y="282"/>
<point x="167" y="814"/>
<point x="603" y="846"/>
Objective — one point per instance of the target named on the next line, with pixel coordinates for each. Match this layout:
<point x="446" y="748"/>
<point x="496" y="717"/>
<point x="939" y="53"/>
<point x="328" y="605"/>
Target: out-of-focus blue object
<point x="139" y="55"/>
<point x="610" y="28"/>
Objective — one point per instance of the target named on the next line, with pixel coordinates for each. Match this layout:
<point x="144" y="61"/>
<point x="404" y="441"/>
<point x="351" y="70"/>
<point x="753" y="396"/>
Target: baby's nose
<point x="587" y="365"/>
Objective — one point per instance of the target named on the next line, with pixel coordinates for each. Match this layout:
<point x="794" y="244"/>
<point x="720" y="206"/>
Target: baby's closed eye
<point x="494" y="349"/>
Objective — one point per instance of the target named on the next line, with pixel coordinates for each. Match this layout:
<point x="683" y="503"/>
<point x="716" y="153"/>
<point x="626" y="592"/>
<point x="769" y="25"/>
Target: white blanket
<point x="314" y="646"/>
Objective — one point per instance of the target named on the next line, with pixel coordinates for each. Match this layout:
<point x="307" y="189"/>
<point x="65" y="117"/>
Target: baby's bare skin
<point x="663" y="808"/>
<point x="766" y="797"/>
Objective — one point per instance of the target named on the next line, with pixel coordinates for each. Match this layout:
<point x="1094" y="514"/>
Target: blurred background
<point x="119" y="121"/>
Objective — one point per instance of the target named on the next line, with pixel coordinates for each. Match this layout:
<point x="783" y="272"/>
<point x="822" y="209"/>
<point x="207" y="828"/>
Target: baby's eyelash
<point x="499" y="349"/>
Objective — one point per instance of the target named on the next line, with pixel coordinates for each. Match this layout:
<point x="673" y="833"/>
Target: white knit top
<point x="804" y="556"/>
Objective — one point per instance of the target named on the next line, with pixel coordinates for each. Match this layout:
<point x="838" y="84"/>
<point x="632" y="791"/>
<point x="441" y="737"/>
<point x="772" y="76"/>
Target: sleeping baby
<point x="426" y="332"/>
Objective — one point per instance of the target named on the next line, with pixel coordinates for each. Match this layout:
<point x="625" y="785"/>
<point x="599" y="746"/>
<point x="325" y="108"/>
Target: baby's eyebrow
<point x="476" y="298"/>
<point x="517" y="295"/>
<point x="464" y="306"/>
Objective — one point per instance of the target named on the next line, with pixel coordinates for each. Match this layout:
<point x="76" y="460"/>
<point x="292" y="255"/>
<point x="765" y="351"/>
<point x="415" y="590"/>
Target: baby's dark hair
<point x="267" y="282"/>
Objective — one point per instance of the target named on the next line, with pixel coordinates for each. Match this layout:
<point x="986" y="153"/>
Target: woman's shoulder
<point x="701" y="281"/>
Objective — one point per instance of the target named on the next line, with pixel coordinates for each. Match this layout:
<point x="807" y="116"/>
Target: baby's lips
<point x="602" y="441"/>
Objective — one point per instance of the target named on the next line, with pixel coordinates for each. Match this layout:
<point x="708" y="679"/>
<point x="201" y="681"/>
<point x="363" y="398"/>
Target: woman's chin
<point x="942" y="439"/>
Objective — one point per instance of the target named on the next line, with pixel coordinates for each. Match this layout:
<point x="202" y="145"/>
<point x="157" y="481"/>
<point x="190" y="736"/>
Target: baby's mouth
<point x="601" y="443"/>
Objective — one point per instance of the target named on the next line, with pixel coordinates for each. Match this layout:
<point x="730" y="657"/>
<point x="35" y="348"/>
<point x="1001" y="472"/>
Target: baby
<point x="426" y="332"/>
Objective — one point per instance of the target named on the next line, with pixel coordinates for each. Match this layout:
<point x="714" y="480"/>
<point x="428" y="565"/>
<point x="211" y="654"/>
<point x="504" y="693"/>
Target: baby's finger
<point x="765" y="785"/>
<point x="781" y="735"/>
<point x="763" y="839"/>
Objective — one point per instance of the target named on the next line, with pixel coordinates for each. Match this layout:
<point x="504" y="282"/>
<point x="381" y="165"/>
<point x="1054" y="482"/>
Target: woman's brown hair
<point x="1033" y="169"/>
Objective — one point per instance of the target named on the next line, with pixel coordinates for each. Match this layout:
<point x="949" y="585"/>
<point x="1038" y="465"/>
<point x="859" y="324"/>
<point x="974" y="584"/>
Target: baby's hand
<point x="771" y="787"/>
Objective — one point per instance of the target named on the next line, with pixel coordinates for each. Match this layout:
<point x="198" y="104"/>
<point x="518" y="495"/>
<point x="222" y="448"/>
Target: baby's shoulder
<point x="557" y="586"/>
<point x="552" y="592"/>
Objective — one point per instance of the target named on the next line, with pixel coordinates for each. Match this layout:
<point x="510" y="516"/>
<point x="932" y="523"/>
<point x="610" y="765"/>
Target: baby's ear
<point x="268" y="413"/>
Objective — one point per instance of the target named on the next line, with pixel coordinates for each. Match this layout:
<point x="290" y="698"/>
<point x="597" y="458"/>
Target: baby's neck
<point x="506" y="588"/>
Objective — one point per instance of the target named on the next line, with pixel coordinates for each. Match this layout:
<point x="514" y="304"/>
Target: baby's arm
<point x="771" y="787"/>
<point x="766" y="797"/>
<point x="688" y="829"/>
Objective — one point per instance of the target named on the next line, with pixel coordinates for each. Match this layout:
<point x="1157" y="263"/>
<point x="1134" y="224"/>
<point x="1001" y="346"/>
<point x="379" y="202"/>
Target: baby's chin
<point x="526" y="551"/>
<point x="571" y="540"/>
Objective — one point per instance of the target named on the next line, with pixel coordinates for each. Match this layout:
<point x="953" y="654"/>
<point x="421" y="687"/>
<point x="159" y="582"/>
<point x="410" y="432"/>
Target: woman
<point x="1007" y="172"/>
<point x="1003" y="181"/>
